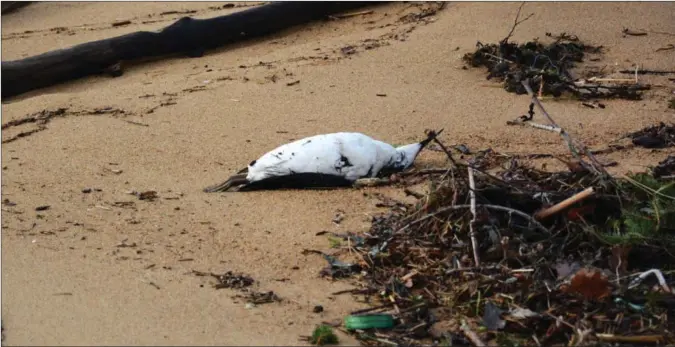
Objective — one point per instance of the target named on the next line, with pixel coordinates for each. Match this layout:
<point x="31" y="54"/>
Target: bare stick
<point x="472" y="336"/>
<point x="472" y="224"/>
<point x="417" y="195"/>
<point x="649" y="72"/>
<point x="488" y="206"/>
<point x="136" y="123"/>
<point x="371" y="309"/>
<point x="423" y="172"/>
<point x="630" y="339"/>
<point x="627" y="80"/>
<point x="371" y="182"/>
<point x="636" y="73"/>
<point x="385" y="341"/>
<point x="567" y="138"/>
<point x="656" y="272"/>
<point x="543" y="214"/>
<point x="596" y="165"/>
<point x="352" y="14"/>
<point x="516" y="22"/>
<point x="447" y="152"/>
<point x="501" y="59"/>
<point x="550" y="128"/>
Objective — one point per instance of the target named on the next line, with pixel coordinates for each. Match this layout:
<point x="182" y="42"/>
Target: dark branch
<point x="516" y="22"/>
<point x="191" y="37"/>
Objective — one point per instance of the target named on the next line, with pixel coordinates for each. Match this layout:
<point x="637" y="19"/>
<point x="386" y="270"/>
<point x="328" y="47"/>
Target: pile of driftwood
<point x="499" y="252"/>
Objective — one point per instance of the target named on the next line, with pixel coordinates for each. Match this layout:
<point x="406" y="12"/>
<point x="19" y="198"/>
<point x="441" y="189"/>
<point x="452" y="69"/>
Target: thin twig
<point x="656" y="272"/>
<point x="501" y="59"/>
<point x="564" y="134"/>
<point x="371" y="309"/>
<point x="637" y="67"/>
<point x="595" y="79"/>
<point x="488" y="206"/>
<point x="417" y="195"/>
<point x="472" y="224"/>
<point x="646" y="72"/>
<point x="481" y="268"/>
<point x="413" y="308"/>
<point x="550" y="128"/>
<point x="371" y="182"/>
<point x="596" y="165"/>
<point x="646" y="188"/>
<point x="447" y="152"/>
<point x="657" y="32"/>
<point x="352" y="14"/>
<point x="630" y="32"/>
<point x="136" y="123"/>
<point x="471" y="335"/>
<point x="630" y="339"/>
<point x="385" y="341"/>
<point x="423" y="172"/>
<point x="516" y="22"/>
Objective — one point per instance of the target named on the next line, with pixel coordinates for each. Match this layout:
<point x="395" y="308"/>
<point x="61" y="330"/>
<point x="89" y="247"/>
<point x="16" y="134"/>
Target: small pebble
<point x="250" y="305"/>
<point x="318" y="309"/>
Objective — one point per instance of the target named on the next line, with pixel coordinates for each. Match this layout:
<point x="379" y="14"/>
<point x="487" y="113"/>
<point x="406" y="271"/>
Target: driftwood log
<point x="11" y="6"/>
<point x="188" y="36"/>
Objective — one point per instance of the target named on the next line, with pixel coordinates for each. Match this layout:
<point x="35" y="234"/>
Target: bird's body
<point x="349" y="155"/>
<point x="322" y="161"/>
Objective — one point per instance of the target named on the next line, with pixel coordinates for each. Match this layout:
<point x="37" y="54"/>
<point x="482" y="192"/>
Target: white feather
<point x="325" y="154"/>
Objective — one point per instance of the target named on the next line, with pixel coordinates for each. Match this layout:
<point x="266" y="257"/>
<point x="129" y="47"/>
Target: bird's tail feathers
<point x="431" y="135"/>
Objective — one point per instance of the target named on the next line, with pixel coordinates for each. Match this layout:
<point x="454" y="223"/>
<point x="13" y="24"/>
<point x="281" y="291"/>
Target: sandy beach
<point x="100" y="266"/>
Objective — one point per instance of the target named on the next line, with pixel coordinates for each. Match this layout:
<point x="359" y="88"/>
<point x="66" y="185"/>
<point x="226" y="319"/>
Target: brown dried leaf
<point x="589" y="283"/>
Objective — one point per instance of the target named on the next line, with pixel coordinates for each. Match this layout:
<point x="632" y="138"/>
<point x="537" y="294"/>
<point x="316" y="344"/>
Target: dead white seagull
<point x="324" y="161"/>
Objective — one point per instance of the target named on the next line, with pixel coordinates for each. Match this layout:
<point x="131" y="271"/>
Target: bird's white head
<point x="406" y="154"/>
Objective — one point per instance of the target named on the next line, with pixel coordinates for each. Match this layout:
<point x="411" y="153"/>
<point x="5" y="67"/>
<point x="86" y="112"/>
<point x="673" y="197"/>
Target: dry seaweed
<point x="258" y="298"/>
<point x="497" y="252"/>
<point x="228" y="279"/>
<point x="545" y="281"/>
<point x="661" y="135"/>
<point x="666" y="168"/>
<point x="502" y="252"/>
<point x="549" y="67"/>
